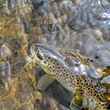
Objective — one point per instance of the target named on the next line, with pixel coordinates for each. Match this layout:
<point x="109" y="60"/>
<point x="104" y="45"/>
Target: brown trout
<point x="53" y="63"/>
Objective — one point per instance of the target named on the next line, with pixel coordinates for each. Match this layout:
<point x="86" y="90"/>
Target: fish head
<point x="46" y="58"/>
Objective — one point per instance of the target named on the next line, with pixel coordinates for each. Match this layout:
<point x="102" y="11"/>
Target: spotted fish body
<point x="85" y="85"/>
<point x="53" y="64"/>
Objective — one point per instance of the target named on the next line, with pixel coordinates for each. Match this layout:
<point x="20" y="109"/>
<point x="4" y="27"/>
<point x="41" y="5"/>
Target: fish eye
<point x="96" y="57"/>
<point x="45" y="62"/>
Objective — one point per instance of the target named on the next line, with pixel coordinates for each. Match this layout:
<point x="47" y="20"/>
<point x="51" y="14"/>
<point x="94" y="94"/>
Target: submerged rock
<point x="41" y="6"/>
<point x="91" y="13"/>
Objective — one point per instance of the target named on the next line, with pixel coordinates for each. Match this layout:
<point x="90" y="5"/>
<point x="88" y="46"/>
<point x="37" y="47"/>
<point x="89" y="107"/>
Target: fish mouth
<point x="46" y="50"/>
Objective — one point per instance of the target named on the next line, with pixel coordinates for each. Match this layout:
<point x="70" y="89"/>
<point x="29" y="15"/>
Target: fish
<point x="53" y="63"/>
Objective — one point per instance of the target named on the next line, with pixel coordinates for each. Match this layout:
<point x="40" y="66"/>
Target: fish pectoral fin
<point x="74" y="106"/>
<point x="76" y="102"/>
<point x="106" y="80"/>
